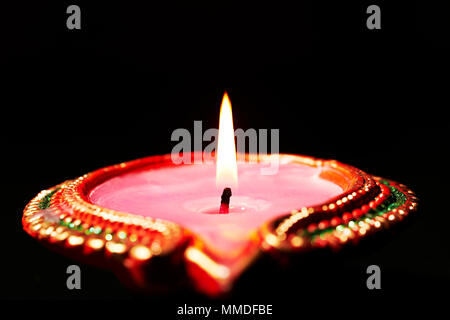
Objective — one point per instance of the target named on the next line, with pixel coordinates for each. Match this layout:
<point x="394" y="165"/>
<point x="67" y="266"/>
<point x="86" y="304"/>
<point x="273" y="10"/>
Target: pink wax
<point x="187" y="195"/>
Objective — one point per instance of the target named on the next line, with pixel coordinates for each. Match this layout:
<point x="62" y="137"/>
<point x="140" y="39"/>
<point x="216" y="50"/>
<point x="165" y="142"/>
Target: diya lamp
<point x="208" y="222"/>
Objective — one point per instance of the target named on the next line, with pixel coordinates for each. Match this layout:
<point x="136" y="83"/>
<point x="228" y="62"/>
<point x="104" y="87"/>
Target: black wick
<point x="225" y="200"/>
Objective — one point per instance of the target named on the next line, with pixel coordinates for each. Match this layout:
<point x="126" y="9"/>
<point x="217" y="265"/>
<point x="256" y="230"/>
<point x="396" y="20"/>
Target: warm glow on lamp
<point x="226" y="167"/>
<point x="216" y="270"/>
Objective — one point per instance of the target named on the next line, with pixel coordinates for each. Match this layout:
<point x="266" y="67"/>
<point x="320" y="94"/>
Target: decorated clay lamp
<point x="208" y="222"/>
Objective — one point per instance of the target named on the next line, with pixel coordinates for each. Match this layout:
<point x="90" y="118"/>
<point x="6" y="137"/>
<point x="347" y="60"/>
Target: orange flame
<point x="226" y="166"/>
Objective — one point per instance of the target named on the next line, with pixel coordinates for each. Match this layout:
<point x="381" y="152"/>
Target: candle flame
<point x="226" y="166"/>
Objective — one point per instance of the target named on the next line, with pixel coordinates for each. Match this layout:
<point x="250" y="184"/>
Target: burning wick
<point x="225" y="200"/>
<point x="226" y="166"/>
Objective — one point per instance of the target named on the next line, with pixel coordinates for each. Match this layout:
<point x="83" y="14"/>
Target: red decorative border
<point x="133" y="245"/>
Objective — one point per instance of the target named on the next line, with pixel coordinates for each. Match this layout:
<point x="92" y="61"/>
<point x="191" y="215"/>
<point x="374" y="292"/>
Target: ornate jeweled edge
<point x="63" y="218"/>
<point x="391" y="205"/>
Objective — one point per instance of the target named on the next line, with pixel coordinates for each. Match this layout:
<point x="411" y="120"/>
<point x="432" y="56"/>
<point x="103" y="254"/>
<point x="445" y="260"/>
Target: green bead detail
<point x="396" y="199"/>
<point x="45" y="201"/>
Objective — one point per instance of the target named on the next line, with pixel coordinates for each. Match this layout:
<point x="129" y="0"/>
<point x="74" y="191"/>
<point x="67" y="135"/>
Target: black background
<point x="77" y="100"/>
